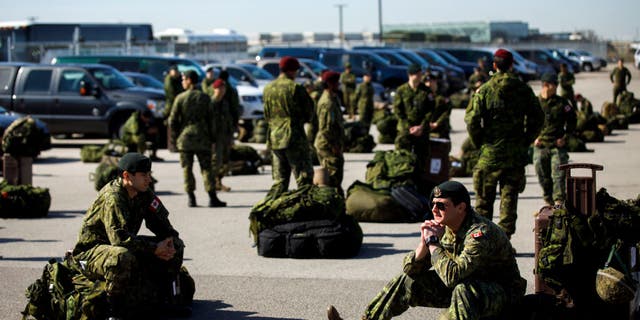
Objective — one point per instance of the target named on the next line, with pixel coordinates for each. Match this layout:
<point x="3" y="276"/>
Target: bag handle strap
<point x="614" y="253"/>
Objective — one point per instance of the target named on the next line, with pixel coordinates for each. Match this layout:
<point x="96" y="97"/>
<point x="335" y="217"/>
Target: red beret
<point x="330" y="77"/>
<point x="504" y="54"/>
<point x="289" y="64"/>
<point x="218" y="83"/>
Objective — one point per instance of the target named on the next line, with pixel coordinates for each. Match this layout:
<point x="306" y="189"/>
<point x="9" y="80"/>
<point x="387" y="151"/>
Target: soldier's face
<point x="445" y="212"/>
<point x="140" y="181"/>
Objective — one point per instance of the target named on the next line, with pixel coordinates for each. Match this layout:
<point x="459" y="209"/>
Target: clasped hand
<point x="165" y="249"/>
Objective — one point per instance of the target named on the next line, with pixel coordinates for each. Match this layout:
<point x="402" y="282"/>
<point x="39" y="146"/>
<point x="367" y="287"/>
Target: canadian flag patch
<point x="567" y="108"/>
<point x="477" y="235"/>
<point x="155" y="204"/>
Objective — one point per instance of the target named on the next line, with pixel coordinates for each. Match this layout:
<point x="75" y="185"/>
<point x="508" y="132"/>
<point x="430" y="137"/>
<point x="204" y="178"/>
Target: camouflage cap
<point x="549" y="77"/>
<point x="414" y="68"/>
<point x="453" y="190"/>
<point x="134" y="162"/>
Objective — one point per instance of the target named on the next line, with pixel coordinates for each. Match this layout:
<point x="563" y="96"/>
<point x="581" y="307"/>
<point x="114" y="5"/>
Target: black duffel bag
<point x="340" y="238"/>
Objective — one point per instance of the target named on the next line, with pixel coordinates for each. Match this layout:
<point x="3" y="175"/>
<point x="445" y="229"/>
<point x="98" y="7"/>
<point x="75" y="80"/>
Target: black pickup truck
<point x="88" y="99"/>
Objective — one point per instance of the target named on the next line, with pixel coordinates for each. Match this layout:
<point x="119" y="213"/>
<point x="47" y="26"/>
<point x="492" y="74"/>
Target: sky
<point x="611" y="20"/>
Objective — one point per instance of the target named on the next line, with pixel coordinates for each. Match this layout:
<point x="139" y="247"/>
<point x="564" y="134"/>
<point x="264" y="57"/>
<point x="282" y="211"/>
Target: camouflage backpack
<point x="244" y="160"/>
<point x="23" y="138"/>
<point x="23" y="201"/>
<point x="106" y="171"/>
<point x="390" y="168"/>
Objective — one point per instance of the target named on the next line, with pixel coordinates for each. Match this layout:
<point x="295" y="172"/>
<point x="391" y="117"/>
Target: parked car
<point x="6" y="118"/>
<point x="472" y="55"/>
<point x="636" y="58"/>
<point x="144" y="80"/>
<point x="466" y="66"/>
<point x="244" y="73"/>
<point x="75" y="98"/>
<point x="251" y="102"/>
<point x="573" y="63"/>
<point x="309" y="69"/>
<point x="585" y="59"/>
<point x="455" y="75"/>
<point x="543" y="57"/>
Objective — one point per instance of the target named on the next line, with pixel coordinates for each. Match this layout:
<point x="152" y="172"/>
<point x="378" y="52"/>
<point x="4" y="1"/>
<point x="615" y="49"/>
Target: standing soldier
<point x="224" y="127"/>
<point x="566" y="80"/>
<point x="139" y="129"/>
<point x="172" y="88"/>
<point x="363" y="99"/>
<point x="207" y="83"/>
<point x="287" y="106"/>
<point x="330" y="138"/>
<point x="620" y="77"/>
<point x="463" y="262"/>
<point x="232" y="97"/>
<point x="439" y="125"/>
<point x="550" y="151"/>
<point x="311" y="128"/>
<point x="413" y="105"/>
<point x="348" y="86"/>
<point x="192" y="131"/>
<point x="476" y="79"/>
<point x="503" y="119"/>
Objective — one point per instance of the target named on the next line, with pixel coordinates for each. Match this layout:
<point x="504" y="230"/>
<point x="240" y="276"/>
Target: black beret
<point x="134" y="162"/>
<point x="414" y="68"/>
<point x="173" y="67"/>
<point x="453" y="190"/>
<point x="549" y="77"/>
<point x="191" y="74"/>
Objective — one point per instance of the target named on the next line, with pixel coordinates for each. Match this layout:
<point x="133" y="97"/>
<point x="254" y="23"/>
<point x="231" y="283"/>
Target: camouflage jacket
<point x="287" y="106"/>
<point x="133" y="131"/>
<point x="586" y="108"/>
<point x="207" y="86"/>
<point x="566" y="82"/>
<point x="348" y="82"/>
<point x="223" y="118"/>
<point x="413" y="107"/>
<point x="115" y="219"/>
<point x="172" y="88"/>
<point x="441" y="114"/>
<point x="191" y="122"/>
<point x="620" y="77"/>
<point x="232" y="97"/>
<point x="480" y="250"/>
<point x="559" y="119"/>
<point x="503" y="119"/>
<point x="363" y="97"/>
<point x="330" y="124"/>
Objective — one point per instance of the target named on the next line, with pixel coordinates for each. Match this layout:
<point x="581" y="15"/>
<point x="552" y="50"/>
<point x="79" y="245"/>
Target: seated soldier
<point x="463" y="262"/>
<point x="109" y="248"/>
<point x="139" y="129"/>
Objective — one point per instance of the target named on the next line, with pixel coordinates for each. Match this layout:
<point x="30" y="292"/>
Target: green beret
<point x="134" y="162"/>
<point x="453" y="190"/>
<point x="414" y="68"/>
<point x="549" y="77"/>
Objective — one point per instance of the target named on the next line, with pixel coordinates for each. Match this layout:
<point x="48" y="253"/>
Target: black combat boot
<point x="192" y="199"/>
<point x="214" y="202"/>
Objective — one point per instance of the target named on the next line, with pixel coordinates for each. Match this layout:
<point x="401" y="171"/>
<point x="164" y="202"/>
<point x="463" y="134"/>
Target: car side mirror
<point x="86" y="89"/>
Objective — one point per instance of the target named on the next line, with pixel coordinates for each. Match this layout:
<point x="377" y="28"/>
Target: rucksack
<point x="106" y="171"/>
<point x="390" y="168"/>
<point x="367" y="204"/>
<point x="23" y="138"/>
<point x="244" y="159"/>
<point x="23" y="201"/>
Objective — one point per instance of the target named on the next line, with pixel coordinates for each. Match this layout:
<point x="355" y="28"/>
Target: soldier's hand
<point x="433" y="125"/>
<point x="560" y="142"/>
<point x="416" y="131"/>
<point x="165" y="250"/>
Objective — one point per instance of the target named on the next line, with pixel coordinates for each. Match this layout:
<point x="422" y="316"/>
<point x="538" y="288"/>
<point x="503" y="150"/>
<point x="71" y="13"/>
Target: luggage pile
<point x="244" y="160"/>
<point x="23" y="201"/>
<point x="387" y="128"/>
<point x="309" y="222"/>
<point x="93" y="153"/>
<point x="358" y="139"/>
<point x="23" y="138"/>
<point x="629" y="106"/>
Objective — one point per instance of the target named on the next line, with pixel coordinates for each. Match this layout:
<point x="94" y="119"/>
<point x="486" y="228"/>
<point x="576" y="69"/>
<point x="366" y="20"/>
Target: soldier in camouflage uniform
<point x="224" y="126"/>
<point x="584" y="105"/>
<point x="463" y="262"/>
<point x="503" y="119"/>
<point x="566" y="80"/>
<point x="413" y="106"/>
<point x="549" y="147"/>
<point x="439" y="124"/>
<point x="348" y="87"/>
<point x="330" y="139"/>
<point x="193" y="133"/>
<point x="109" y="247"/>
<point x="620" y="77"/>
<point x="476" y="79"/>
<point x="311" y="128"/>
<point x="172" y="88"/>
<point x="207" y="82"/>
<point x="363" y="99"/>
<point x="287" y="106"/>
<point x="139" y="129"/>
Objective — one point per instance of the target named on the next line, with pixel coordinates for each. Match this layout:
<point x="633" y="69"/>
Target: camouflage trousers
<point x="128" y="274"/>
<point x="512" y="182"/>
<point x="551" y="178"/>
<point x="418" y="146"/>
<point x="347" y="97"/>
<point x="334" y="163"/>
<point x="366" y="115"/>
<point x="470" y="299"/>
<point x="617" y="90"/>
<point x="220" y="161"/>
<point x="284" y="161"/>
<point x="208" y="177"/>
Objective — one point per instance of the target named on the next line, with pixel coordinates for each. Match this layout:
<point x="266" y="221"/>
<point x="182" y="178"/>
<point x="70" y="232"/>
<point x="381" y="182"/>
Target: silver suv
<point x="587" y="61"/>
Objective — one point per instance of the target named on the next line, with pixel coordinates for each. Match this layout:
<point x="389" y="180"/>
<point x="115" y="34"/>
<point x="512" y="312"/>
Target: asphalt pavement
<point x="232" y="281"/>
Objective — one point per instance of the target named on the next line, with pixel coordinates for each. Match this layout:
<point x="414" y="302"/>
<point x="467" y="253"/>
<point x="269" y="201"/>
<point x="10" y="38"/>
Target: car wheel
<point x="587" y="67"/>
<point x="117" y="126"/>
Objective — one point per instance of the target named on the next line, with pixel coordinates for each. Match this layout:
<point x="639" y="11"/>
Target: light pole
<point x="380" y="21"/>
<point x="341" y="34"/>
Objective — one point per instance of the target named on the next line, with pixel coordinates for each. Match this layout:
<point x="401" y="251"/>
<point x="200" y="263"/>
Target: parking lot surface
<point x="232" y="281"/>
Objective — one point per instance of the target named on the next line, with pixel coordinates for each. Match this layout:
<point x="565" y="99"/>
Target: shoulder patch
<point x="477" y="234"/>
<point x="155" y="204"/>
<point x="567" y="108"/>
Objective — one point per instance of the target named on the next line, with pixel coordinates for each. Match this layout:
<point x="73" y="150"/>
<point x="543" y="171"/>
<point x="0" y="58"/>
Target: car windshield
<point x="447" y="56"/>
<point x="437" y="58"/>
<point x="111" y="79"/>
<point x="583" y="53"/>
<point x="414" y="57"/>
<point x="315" y="66"/>
<point x="257" y="73"/>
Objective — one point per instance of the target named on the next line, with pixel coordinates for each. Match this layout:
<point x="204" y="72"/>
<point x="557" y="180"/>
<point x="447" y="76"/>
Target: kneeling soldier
<point x="463" y="262"/>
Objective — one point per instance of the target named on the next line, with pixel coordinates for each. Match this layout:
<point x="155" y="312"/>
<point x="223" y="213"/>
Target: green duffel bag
<point x="91" y="153"/>
<point x="366" y="204"/>
<point x="23" y="201"/>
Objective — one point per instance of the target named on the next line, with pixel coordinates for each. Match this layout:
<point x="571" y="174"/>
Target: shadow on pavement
<point x="166" y="193"/>
<point x="394" y="235"/>
<point x="525" y="255"/>
<point x="210" y="310"/>
<point x="55" y="160"/>
<point x="44" y="259"/>
<point x="375" y="250"/>
<point x="7" y="240"/>
<point x="65" y="213"/>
